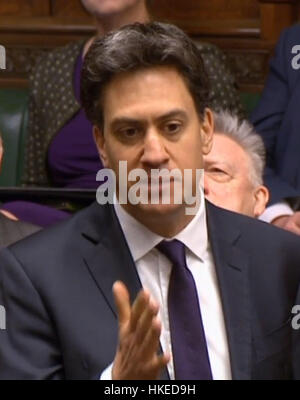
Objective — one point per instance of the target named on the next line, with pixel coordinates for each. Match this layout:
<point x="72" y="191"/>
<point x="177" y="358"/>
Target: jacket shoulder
<point x="252" y="229"/>
<point x="292" y="33"/>
<point x="67" y="232"/>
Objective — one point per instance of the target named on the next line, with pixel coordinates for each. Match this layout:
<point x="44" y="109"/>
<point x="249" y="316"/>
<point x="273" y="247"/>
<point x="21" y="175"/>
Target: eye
<point x="218" y="174"/>
<point x="172" y="127"/>
<point x="216" y="171"/>
<point x="129" y="131"/>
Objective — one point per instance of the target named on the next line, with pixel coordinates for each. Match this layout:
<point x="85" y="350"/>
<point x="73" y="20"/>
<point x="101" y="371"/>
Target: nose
<point x="154" y="154"/>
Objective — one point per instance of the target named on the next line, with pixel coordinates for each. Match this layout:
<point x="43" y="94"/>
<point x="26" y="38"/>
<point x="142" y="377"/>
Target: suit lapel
<point x="232" y="272"/>
<point x="110" y="259"/>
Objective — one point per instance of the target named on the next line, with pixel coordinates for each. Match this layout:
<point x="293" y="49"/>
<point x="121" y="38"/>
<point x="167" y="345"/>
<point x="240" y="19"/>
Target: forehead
<point x="146" y="92"/>
<point x="228" y="151"/>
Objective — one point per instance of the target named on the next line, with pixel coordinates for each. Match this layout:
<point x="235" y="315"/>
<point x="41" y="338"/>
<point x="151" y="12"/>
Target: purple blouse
<point x="73" y="159"/>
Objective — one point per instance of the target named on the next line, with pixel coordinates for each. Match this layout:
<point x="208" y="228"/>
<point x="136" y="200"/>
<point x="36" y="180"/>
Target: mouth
<point x="159" y="183"/>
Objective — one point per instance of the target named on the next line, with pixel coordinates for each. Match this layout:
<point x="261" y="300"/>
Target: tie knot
<point x="174" y="250"/>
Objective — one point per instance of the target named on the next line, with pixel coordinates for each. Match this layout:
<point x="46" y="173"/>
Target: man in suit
<point x="234" y="167"/>
<point x="217" y="307"/>
<point x="277" y="119"/>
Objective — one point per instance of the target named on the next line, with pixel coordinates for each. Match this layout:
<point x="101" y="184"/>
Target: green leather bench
<point x="13" y="124"/>
<point x="249" y="101"/>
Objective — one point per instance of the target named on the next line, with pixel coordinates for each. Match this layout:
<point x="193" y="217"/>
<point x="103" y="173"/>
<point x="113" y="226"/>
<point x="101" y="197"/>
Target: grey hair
<point x="136" y="47"/>
<point x="243" y="133"/>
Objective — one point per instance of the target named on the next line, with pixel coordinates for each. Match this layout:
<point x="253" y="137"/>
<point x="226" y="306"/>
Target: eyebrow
<point x="133" y="121"/>
<point x="174" y="113"/>
<point x="125" y="121"/>
<point x="211" y="162"/>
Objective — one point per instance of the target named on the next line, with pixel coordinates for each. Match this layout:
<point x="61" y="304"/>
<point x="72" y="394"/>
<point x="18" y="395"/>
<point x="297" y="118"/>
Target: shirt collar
<point x="141" y="240"/>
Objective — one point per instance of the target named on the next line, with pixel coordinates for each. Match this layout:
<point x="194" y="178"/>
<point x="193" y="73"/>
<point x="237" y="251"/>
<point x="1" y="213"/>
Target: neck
<point x="106" y="24"/>
<point x="166" y="225"/>
<point x="138" y="13"/>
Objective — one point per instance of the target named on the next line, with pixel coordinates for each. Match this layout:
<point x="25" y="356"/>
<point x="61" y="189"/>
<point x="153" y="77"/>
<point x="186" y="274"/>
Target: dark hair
<point x="139" y="46"/>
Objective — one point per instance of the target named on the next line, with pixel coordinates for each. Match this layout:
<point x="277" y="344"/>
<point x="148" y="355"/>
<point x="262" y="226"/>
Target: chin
<point x="162" y="211"/>
<point x="106" y="8"/>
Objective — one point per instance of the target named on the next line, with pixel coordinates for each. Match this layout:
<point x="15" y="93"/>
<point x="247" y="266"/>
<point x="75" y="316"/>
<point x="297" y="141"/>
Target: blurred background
<point x="246" y="30"/>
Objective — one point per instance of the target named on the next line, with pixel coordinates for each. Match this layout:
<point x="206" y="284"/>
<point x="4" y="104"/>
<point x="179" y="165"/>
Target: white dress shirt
<point x="154" y="270"/>
<point x="276" y="210"/>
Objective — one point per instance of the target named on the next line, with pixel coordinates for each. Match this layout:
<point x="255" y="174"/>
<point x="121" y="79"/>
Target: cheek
<point x="234" y="192"/>
<point x="117" y="153"/>
<point x="112" y="155"/>
<point x="223" y="190"/>
<point x="224" y="195"/>
<point x="241" y="199"/>
<point x="189" y="155"/>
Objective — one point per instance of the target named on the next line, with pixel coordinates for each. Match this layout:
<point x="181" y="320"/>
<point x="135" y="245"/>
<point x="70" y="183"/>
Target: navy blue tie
<point x="189" y="347"/>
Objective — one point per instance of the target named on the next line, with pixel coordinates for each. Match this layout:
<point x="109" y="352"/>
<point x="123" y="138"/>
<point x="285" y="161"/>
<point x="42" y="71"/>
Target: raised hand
<point x="139" y="332"/>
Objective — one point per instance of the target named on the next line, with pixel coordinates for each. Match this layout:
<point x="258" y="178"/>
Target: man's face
<point x="103" y="8"/>
<point x="227" y="178"/>
<point x="150" y="121"/>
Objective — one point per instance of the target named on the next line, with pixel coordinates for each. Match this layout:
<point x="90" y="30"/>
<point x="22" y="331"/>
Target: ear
<point x="100" y="143"/>
<point x="261" y="195"/>
<point x="207" y="130"/>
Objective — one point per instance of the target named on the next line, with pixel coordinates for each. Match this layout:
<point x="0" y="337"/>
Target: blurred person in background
<point x="234" y="167"/>
<point x="277" y="120"/>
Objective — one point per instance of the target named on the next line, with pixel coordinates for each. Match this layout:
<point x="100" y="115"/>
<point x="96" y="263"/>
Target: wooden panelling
<point x="68" y="8"/>
<point x="246" y="30"/>
<point x="24" y="8"/>
<point x="206" y="9"/>
<point x="275" y="16"/>
<point x="210" y="17"/>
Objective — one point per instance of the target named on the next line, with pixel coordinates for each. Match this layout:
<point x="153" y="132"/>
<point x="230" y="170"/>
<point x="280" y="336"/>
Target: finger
<point x="122" y="301"/>
<point x="153" y="369"/>
<point x="295" y="230"/>
<point x="292" y="227"/>
<point x="140" y="304"/>
<point x="150" y="345"/>
<point x="160" y="362"/>
<point x="296" y="219"/>
<point x="145" y="321"/>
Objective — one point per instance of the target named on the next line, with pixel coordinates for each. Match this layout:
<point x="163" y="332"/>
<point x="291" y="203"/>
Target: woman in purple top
<point x="69" y="153"/>
<point x="73" y="159"/>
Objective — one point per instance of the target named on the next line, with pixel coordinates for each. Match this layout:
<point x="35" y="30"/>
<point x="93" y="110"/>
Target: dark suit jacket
<point x="12" y="231"/>
<point x="277" y="119"/>
<point x="61" y="317"/>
